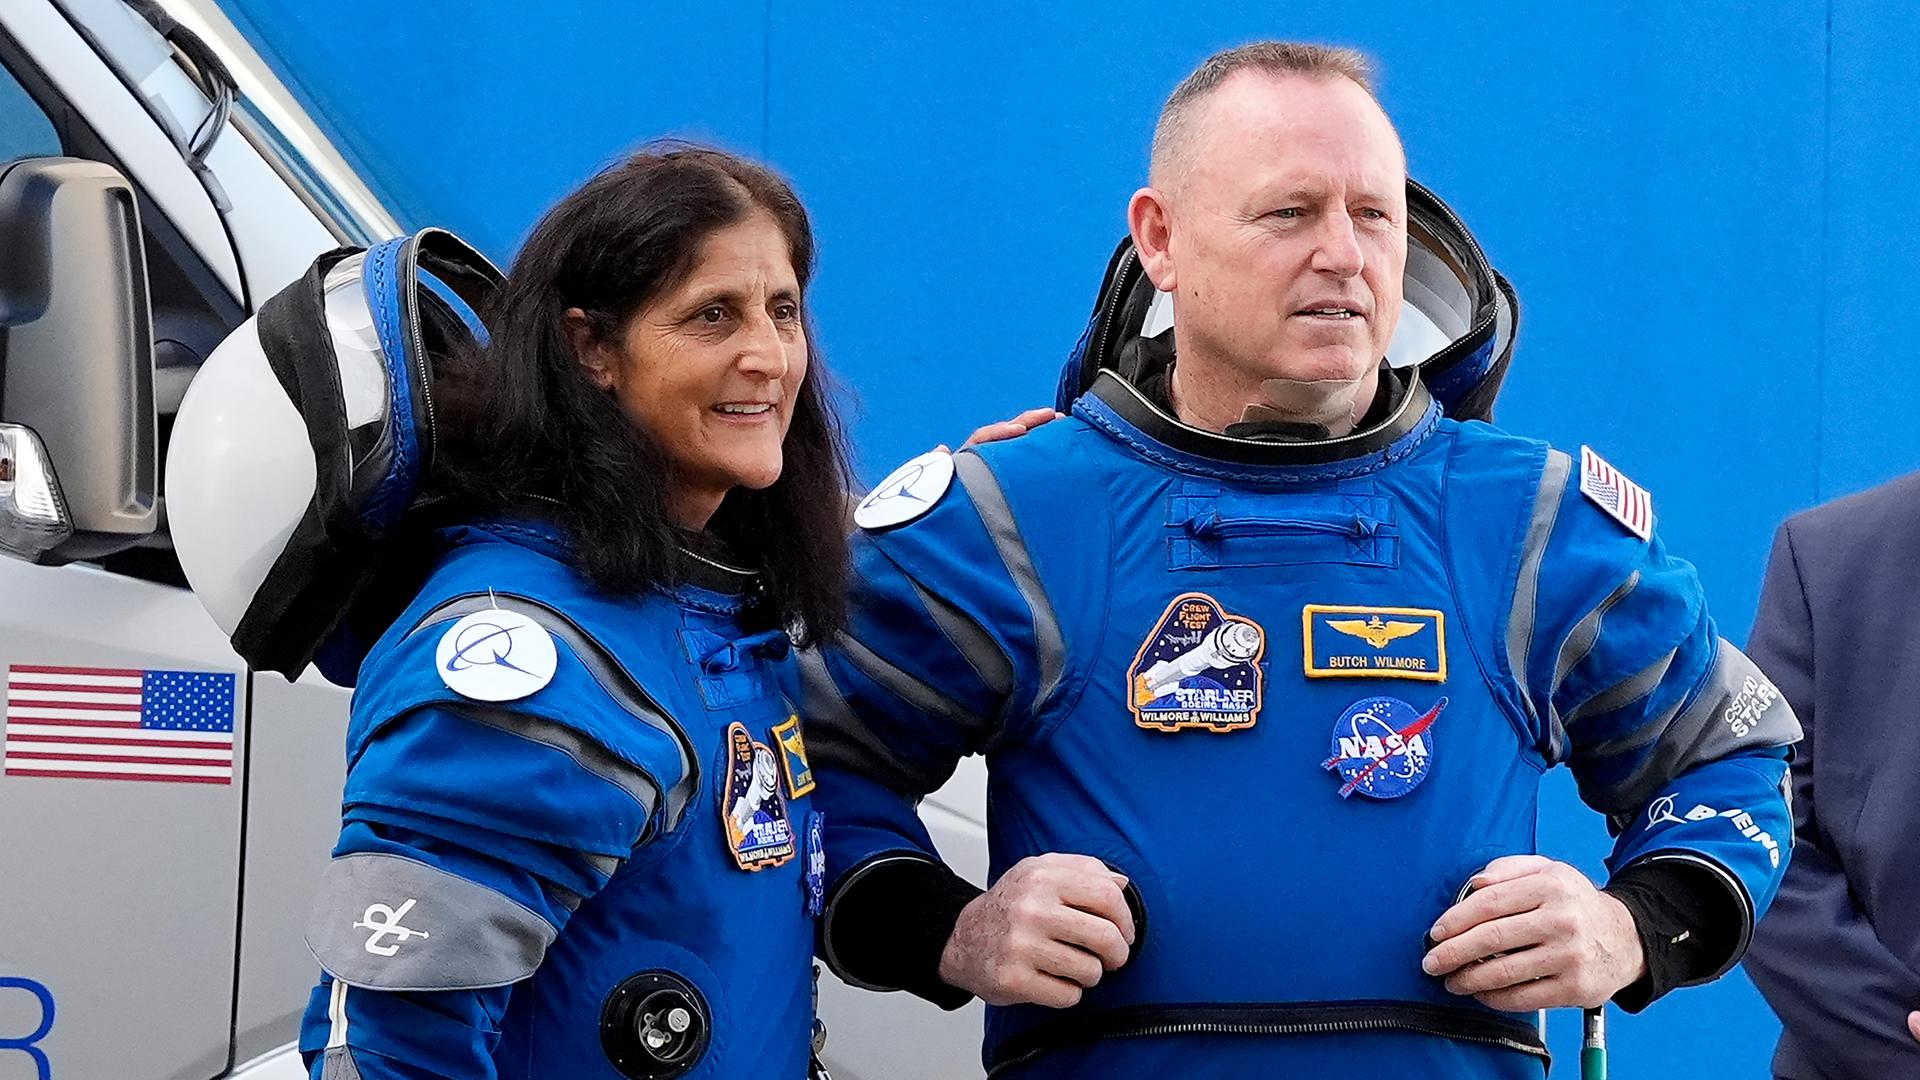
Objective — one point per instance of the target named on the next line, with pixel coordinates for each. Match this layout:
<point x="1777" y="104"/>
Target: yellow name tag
<point x="1343" y="641"/>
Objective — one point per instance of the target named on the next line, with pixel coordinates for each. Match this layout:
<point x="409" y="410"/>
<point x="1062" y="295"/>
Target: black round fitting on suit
<point x="1138" y="909"/>
<point x="655" y="1026"/>
<point x="1136" y="906"/>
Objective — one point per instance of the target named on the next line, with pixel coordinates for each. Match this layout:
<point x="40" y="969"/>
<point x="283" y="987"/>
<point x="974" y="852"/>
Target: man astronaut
<point x="1406" y="619"/>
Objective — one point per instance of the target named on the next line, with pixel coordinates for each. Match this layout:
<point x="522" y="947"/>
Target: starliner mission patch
<point x="1200" y="668"/>
<point x="759" y="832"/>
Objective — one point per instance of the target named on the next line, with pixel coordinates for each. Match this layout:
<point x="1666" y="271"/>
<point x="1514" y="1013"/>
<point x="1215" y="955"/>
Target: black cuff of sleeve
<point x="888" y="924"/>
<point x="1691" y="928"/>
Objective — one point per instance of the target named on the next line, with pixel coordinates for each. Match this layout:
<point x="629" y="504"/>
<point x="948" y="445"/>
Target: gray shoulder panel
<point x="991" y="503"/>
<point x="1735" y="709"/>
<point x="973" y="642"/>
<point x="1526" y="591"/>
<point x="599" y="661"/>
<point x="1579" y="642"/>
<point x="836" y="738"/>
<point x="387" y="922"/>
<point x="338" y="1064"/>
<point x="586" y="752"/>
<point x="1581" y="639"/>
<point x="1622" y="694"/>
<point x="912" y="690"/>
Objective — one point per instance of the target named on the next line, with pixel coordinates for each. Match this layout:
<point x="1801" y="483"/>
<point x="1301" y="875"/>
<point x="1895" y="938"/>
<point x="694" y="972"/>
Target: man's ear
<point x="592" y="353"/>
<point x="1150" y="220"/>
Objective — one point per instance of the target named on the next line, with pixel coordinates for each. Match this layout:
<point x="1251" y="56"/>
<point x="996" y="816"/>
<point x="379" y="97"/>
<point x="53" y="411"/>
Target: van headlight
<point x="33" y="516"/>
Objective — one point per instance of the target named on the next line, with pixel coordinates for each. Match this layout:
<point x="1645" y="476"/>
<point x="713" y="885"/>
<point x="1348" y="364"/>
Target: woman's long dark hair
<point x="522" y="419"/>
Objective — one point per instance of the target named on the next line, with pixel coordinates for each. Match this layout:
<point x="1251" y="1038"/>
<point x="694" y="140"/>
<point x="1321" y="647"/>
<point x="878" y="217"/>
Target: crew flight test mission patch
<point x="1199" y="668"/>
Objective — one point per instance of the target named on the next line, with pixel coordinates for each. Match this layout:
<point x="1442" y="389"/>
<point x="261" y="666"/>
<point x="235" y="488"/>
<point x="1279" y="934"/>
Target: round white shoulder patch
<point x="911" y="490"/>
<point x="496" y="655"/>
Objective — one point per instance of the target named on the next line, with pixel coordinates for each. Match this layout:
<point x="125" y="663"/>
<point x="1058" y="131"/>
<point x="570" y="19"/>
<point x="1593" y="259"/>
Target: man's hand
<point x="1048" y="929"/>
<point x="1536" y="934"/>
<point x="1913" y="1025"/>
<point x="1014" y="428"/>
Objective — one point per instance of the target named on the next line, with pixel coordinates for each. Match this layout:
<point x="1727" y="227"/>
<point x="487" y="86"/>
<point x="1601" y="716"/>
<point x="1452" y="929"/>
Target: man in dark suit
<point x="1838" y="630"/>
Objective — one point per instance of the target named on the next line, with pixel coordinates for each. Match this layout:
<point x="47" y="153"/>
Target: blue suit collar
<point x="1126" y="415"/>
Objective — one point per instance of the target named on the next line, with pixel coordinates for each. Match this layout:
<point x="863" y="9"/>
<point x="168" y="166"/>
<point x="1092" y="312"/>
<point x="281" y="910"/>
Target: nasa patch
<point x="496" y="655"/>
<point x="814" y="881"/>
<point x="1382" y="747"/>
<point x="908" y="492"/>
<point x="1200" y="668"/>
<point x="759" y="832"/>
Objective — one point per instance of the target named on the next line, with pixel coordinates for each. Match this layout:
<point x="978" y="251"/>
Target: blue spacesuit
<point x="577" y="839"/>
<point x="1297" y="691"/>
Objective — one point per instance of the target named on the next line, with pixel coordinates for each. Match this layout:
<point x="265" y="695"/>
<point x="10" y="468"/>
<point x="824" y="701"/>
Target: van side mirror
<point x="78" y="449"/>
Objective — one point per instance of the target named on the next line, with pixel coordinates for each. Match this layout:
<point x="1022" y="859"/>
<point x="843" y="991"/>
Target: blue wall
<point x="1706" y="209"/>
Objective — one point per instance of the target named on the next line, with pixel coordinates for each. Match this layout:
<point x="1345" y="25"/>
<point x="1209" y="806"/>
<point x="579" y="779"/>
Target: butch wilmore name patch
<point x="1374" y="642"/>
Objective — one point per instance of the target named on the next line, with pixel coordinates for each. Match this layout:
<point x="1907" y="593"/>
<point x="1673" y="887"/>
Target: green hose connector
<point x="1593" y="1045"/>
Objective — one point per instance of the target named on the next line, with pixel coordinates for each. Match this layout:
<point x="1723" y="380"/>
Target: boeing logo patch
<point x="1344" y="641"/>
<point x="1200" y="668"/>
<point x="908" y="492"/>
<point x="496" y="655"/>
<point x="1661" y="813"/>
<point x="1383" y="747"/>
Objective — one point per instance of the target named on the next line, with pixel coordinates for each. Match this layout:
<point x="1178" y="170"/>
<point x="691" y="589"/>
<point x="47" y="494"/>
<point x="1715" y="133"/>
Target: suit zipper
<point x="1300" y="1027"/>
<point x="419" y="360"/>
<point x="1110" y="308"/>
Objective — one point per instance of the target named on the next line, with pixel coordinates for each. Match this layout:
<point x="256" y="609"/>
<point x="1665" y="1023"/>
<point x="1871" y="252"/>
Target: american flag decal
<point x="1625" y="501"/>
<point x="87" y="723"/>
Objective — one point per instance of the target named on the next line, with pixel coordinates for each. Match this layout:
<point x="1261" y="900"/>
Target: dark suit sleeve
<point x="1842" y="996"/>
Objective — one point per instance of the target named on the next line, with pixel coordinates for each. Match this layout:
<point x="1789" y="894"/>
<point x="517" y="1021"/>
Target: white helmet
<point x="307" y="434"/>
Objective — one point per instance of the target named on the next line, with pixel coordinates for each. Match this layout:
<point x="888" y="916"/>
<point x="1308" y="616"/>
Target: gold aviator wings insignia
<point x="1375" y="632"/>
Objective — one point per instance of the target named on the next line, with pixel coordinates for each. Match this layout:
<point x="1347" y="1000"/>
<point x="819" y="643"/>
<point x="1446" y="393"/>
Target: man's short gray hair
<point x="1175" y="129"/>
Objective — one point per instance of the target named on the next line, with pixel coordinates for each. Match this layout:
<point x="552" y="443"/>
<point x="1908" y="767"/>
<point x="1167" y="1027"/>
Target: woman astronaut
<point x="563" y="568"/>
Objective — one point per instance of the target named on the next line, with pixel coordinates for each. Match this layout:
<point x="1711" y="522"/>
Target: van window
<point x="192" y="311"/>
<point x="25" y="130"/>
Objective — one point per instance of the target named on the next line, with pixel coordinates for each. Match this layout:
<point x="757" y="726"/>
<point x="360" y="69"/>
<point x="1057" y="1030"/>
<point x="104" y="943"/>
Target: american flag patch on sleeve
<point x="1624" y="501"/>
